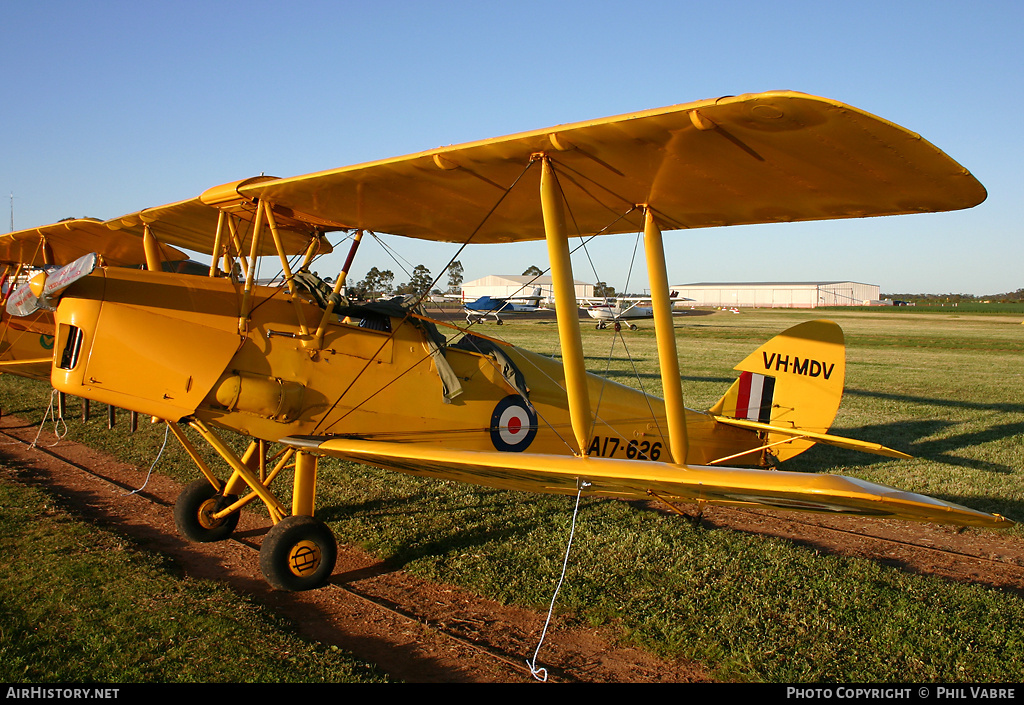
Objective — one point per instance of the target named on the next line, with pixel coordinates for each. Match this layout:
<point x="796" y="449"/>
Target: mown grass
<point x="996" y="308"/>
<point x="81" y="604"/>
<point x="947" y="389"/>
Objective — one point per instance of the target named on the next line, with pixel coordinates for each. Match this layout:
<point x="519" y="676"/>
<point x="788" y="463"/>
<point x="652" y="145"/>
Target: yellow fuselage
<point x="172" y="346"/>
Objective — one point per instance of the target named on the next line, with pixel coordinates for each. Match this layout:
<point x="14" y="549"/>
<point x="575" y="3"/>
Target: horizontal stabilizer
<point x="634" y="479"/>
<point x="827" y="438"/>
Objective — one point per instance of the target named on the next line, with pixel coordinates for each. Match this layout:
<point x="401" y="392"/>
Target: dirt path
<point x="414" y="630"/>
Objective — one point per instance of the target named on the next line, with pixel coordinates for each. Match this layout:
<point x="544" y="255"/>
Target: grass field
<point x="946" y="388"/>
<point x="82" y="605"/>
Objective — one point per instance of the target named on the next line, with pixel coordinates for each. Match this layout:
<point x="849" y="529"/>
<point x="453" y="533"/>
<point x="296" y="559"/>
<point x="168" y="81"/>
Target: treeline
<point x="380" y="284"/>
<point x="1012" y="297"/>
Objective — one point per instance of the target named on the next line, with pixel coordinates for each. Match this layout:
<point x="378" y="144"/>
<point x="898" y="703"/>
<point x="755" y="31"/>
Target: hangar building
<point x="780" y="294"/>
<point x="506" y="285"/>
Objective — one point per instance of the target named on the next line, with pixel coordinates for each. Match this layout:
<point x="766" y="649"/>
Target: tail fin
<point x="794" y="381"/>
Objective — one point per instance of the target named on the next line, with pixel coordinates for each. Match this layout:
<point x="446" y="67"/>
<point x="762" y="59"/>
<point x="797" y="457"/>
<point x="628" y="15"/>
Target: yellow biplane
<point x="302" y="368"/>
<point x="26" y="339"/>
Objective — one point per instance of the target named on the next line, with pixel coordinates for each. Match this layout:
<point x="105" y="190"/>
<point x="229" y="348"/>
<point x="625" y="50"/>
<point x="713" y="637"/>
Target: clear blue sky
<point x="110" y="107"/>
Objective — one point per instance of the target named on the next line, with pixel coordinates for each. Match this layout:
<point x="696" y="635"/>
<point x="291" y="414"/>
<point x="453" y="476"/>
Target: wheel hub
<point x="206" y="511"/>
<point x="304" y="558"/>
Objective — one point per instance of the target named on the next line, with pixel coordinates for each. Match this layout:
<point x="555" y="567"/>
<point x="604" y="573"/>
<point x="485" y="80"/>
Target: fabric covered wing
<point x="635" y="478"/>
<point x="193" y="224"/>
<point x="70" y="239"/>
<point x="757" y="158"/>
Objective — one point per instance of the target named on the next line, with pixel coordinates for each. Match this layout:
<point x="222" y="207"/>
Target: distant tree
<point x="603" y="290"/>
<point x="533" y="271"/>
<point x="454" y="277"/>
<point x="420" y="283"/>
<point x="376" y="283"/>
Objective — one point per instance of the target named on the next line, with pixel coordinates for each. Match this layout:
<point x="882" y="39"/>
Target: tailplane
<point x="535" y="297"/>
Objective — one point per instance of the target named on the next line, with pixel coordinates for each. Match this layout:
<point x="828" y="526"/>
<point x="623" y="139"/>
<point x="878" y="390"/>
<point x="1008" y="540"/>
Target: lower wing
<point x="637" y="479"/>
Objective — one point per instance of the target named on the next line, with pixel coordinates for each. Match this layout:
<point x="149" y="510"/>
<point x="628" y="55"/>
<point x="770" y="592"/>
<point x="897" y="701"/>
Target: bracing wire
<point x="461" y="248"/>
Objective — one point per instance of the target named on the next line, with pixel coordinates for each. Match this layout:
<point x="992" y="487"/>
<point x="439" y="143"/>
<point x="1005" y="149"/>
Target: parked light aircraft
<point x="622" y="310"/>
<point x="477" y="311"/>
<point x="26" y="340"/>
<point x="379" y="383"/>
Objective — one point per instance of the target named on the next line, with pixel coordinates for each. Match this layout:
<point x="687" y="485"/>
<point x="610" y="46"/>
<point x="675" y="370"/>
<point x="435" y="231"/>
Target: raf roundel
<point x="513" y="424"/>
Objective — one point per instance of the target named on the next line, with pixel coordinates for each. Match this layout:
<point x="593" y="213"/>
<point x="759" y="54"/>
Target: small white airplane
<point x="478" y="311"/>
<point x="622" y="309"/>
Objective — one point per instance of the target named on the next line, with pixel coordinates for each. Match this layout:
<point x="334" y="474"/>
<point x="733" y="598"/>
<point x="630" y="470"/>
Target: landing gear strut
<point x="299" y="551"/>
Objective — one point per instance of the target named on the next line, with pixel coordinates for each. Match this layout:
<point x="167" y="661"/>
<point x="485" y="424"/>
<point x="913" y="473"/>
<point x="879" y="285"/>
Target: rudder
<point x="795" y="380"/>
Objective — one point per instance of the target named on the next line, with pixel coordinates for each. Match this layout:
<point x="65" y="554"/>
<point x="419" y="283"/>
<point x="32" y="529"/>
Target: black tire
<point x="298" y="553"/>
<point x="192" y="512"/>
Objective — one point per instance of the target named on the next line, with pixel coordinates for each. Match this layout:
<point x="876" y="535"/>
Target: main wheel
<point x="193" y="513"/>
<point x="298" y="553"/>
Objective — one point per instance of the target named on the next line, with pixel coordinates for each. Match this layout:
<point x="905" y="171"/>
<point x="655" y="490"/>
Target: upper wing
<point x="193" y="223"/>
<point x="757" y="158"/>
<point x="635" y="479"/>
<point x="70" y="239"/>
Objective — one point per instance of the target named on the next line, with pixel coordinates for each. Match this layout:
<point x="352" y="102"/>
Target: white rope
<point x="57" y="423"/>
<point x="167" y="430"/>
<point x="541" y="674"/>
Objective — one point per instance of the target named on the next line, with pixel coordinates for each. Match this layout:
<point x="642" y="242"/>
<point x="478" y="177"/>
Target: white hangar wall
<point x="506" y="285"/>
<point x="779" y="294"/>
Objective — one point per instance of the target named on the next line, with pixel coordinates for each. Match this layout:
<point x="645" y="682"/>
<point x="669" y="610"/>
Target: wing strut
<point x="289" y="278"/>
<point x="218" y="247"/>
<point x="566" y="310"/>
<point x="152" y="249"/>
<point x="668" y="358"/>
<point x="250" y="275"/>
